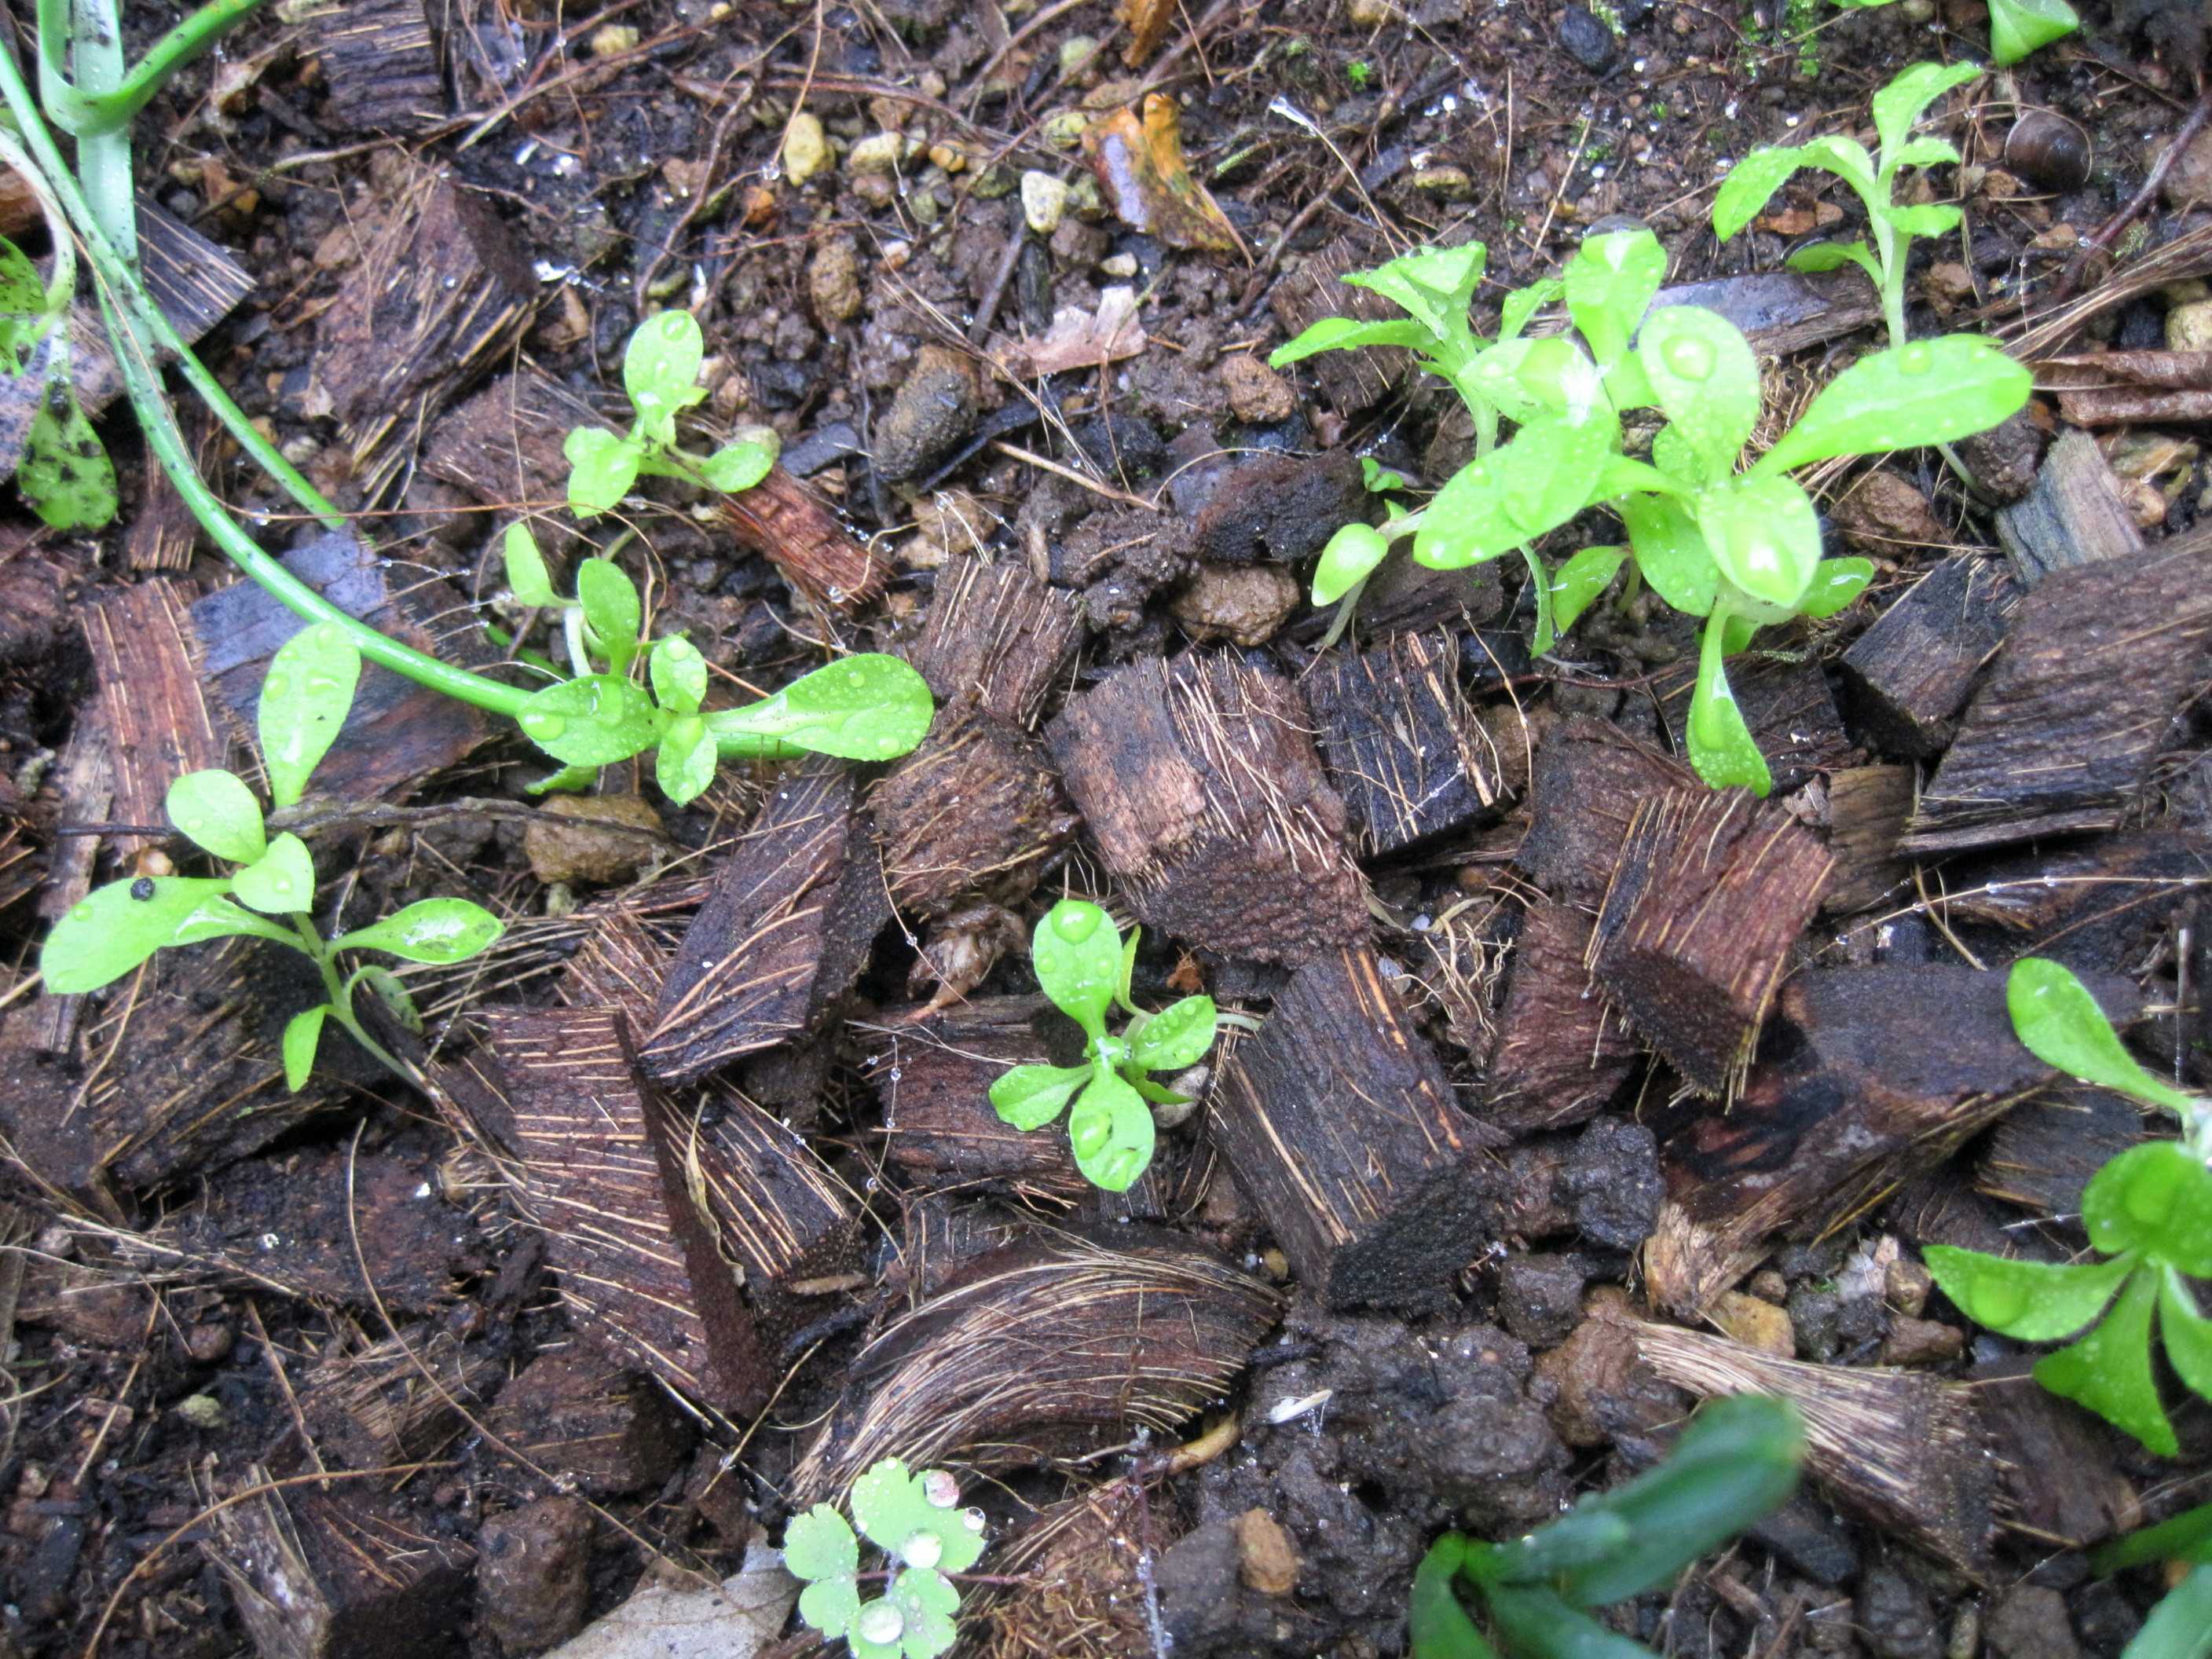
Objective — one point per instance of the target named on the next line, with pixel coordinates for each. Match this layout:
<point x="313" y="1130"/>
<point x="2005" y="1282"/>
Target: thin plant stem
<point x="103" y="158"/>
<point x="340" y="992"/>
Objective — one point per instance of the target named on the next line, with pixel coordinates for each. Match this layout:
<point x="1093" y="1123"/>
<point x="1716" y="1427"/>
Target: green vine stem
<point x="93" y="105"/>
<point x="340" y="992"/>
<point x="131" y="319"/>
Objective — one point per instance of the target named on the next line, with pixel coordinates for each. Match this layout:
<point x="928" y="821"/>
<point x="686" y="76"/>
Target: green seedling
<point x="868" y="706"/>
<point x="660" y="373"/>
<point x="1737" y="546"/>
<point x="1891" y="226"/>
<point x="2017" y="28"/>
<point x="914" y="1521"/>
<point x="271" y="889"/>
<point x="2149" y="1212"/>
<point x="1738" y="1459"/>
<point x="1083" y="966"/>
<point x="2180" y="1625"/>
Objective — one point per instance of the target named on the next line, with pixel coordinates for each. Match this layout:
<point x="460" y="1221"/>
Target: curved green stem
<point x="103" y="158"/>
<point x="85" y="112"/>
<point x="339" y="994"/>
<point x="122" y="278"/>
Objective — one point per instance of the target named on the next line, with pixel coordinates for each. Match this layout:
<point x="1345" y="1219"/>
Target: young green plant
<point x="2180" y="1625"/>
<point x="1891" y="225"/>
<point x="269" y="891"/>
<point x="1084" y="968"/>
<point x="2017" y="28"/>
<point x="660" y="373"/>
<point x="914" y="1521"/>
<point x="2148" y="1213"/>
<point x="1738" y="1459"/>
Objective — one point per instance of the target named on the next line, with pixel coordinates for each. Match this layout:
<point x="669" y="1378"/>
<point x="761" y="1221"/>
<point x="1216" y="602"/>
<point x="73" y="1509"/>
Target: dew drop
<point x="972" y="1519"/>
<point x="924" y="1549"/>
<point x="1689" y="358"/>
<point x="1999" y="1302"/>
<point x="1076" y="922"/>
<point x="277" y="685"/>
<point x="1915" y="359"/>
<point x="938" y="1486"/>
<point x="545" y="727"/>
<point x="879" y="1621"/>
<point x="82" y="912"/>
<point x="1088" y="1135"/>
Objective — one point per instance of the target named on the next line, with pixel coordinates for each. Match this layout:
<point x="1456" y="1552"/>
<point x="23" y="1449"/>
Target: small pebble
<point x="833" y="280"/>
<point x="1256" y="393"/>
<point x="1044" y="202"/>
<point x="877" y="153"/>
<point x="805" y="150"/>
<point x="1586" y="41"/>
<point x="2188" y="327"/>
<point x="613" y="40"/>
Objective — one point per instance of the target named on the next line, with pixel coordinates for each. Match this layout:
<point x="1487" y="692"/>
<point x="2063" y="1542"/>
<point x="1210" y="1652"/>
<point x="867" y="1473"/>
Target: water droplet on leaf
<point x="1076" y="922"/>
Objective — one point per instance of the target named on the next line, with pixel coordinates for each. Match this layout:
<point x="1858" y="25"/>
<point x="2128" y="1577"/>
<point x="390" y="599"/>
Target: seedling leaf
<point x="1532" y="1619"/>
<point x="1720" y="746"/>
<point x="1749" y="184"/>
<point x="1344" y="333"/>
<point x="388" y="989"/>
<point x="1178" y="1036"/>
<point x="1077" y="952"/>
<point x="678" y="674"/>
<point x="1351" y="555"/>
<point x="1580" y="580"/>
<point x="1765" y="535"/>
<point x="819" y="1544"/>
<point x="437" y="930"/>
<point x="2030" y="1301"/>
<point x="1908" y="95"/>
<point x="1030" y="1096"/>
<point x="2018" y="27"/>
<point x="64" y="473"/>
<point x="219" y="918"/>
<point x="592" y="722"/>
<point x="928" y="1601"/>
<point x="1833" y="256"/>
<point x="611" y="609"/>
<point x="2187" y="1333"/>
<point x="602" y="467"/>
<point x="2180" y="1625"/>
<point x="1436" y="1621"/>
<point x="2109" y="1370"/>
<point x="684" y="763"/>
<point x="1671" y="552"/>
<point x="218" y="813"/>
<point x="1111" y="1132"/>
<point x="1535" y="483"/>
<point x="1836" y="583"/>
<point x="660" y="369"/>
<point x="526" y="568"/>
<point x="303" y="1033"/>
<point x="831" y="1605"/>
<point x="1928" y="391"/>
<point x="2186" y="1537"/>
<point x="1609" y="284"/>
<point x="1705" y="377"/>
<point x="866" y="706"/>
<point x="1523" y="303"/>
<point x="2055" y="1016"/>
<point x="280" y="882"/>
<point x="304" y="700"/>
<point x="2155" y="1199"/>
<point x="737" y="467"/>
<point x="112" y="929"/>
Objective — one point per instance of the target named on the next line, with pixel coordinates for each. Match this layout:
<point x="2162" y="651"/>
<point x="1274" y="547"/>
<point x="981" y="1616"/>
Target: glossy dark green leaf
<point x="2031" y="1301"/>
<point x="593" y="721"/>
<point x="2109" y="1370"/>
<point x="1110" y="1130"/>
<point x="112" y="929"/>
<point x="437" y="930"/>
<point x="2055" y="1016"/>
<point x="1581" y="1539"/>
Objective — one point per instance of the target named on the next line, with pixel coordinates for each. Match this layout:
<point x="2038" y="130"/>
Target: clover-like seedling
<point x="916" y="1522"/>
<point x="2148" y="1212"/>
<point x="270" y="888"/>
<point x="1891" y="225"/>
<point x="1738" y="1459"/>
<point x="660" y="373"/>
<point x="2180" y="1625"/>
<point x="1084" y="968"/>
<point x="868" y="707"/>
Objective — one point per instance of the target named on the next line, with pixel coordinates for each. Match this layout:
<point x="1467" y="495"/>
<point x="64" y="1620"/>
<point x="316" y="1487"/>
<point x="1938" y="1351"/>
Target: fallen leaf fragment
<point x="734" y="1620"/>
<point x="1147" y="23"/>
<point x="1147" y="183"/>
<point x="1079" y="338"/>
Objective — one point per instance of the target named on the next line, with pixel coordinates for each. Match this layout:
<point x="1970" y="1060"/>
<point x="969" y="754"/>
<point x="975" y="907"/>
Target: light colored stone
<point x="877" y="153"/>
<point x="1044" y="202"/>
<point x="2188" y="327"/>
<point x="1256" y="393"/>
<point x="1244" y="603"/>
<point x="1265" y="1559"/>
<point x="1756" y="1324"/>
<point x="833" y="280"/>
<point x="805" y="148"/>
<point x="564" y="844"/>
